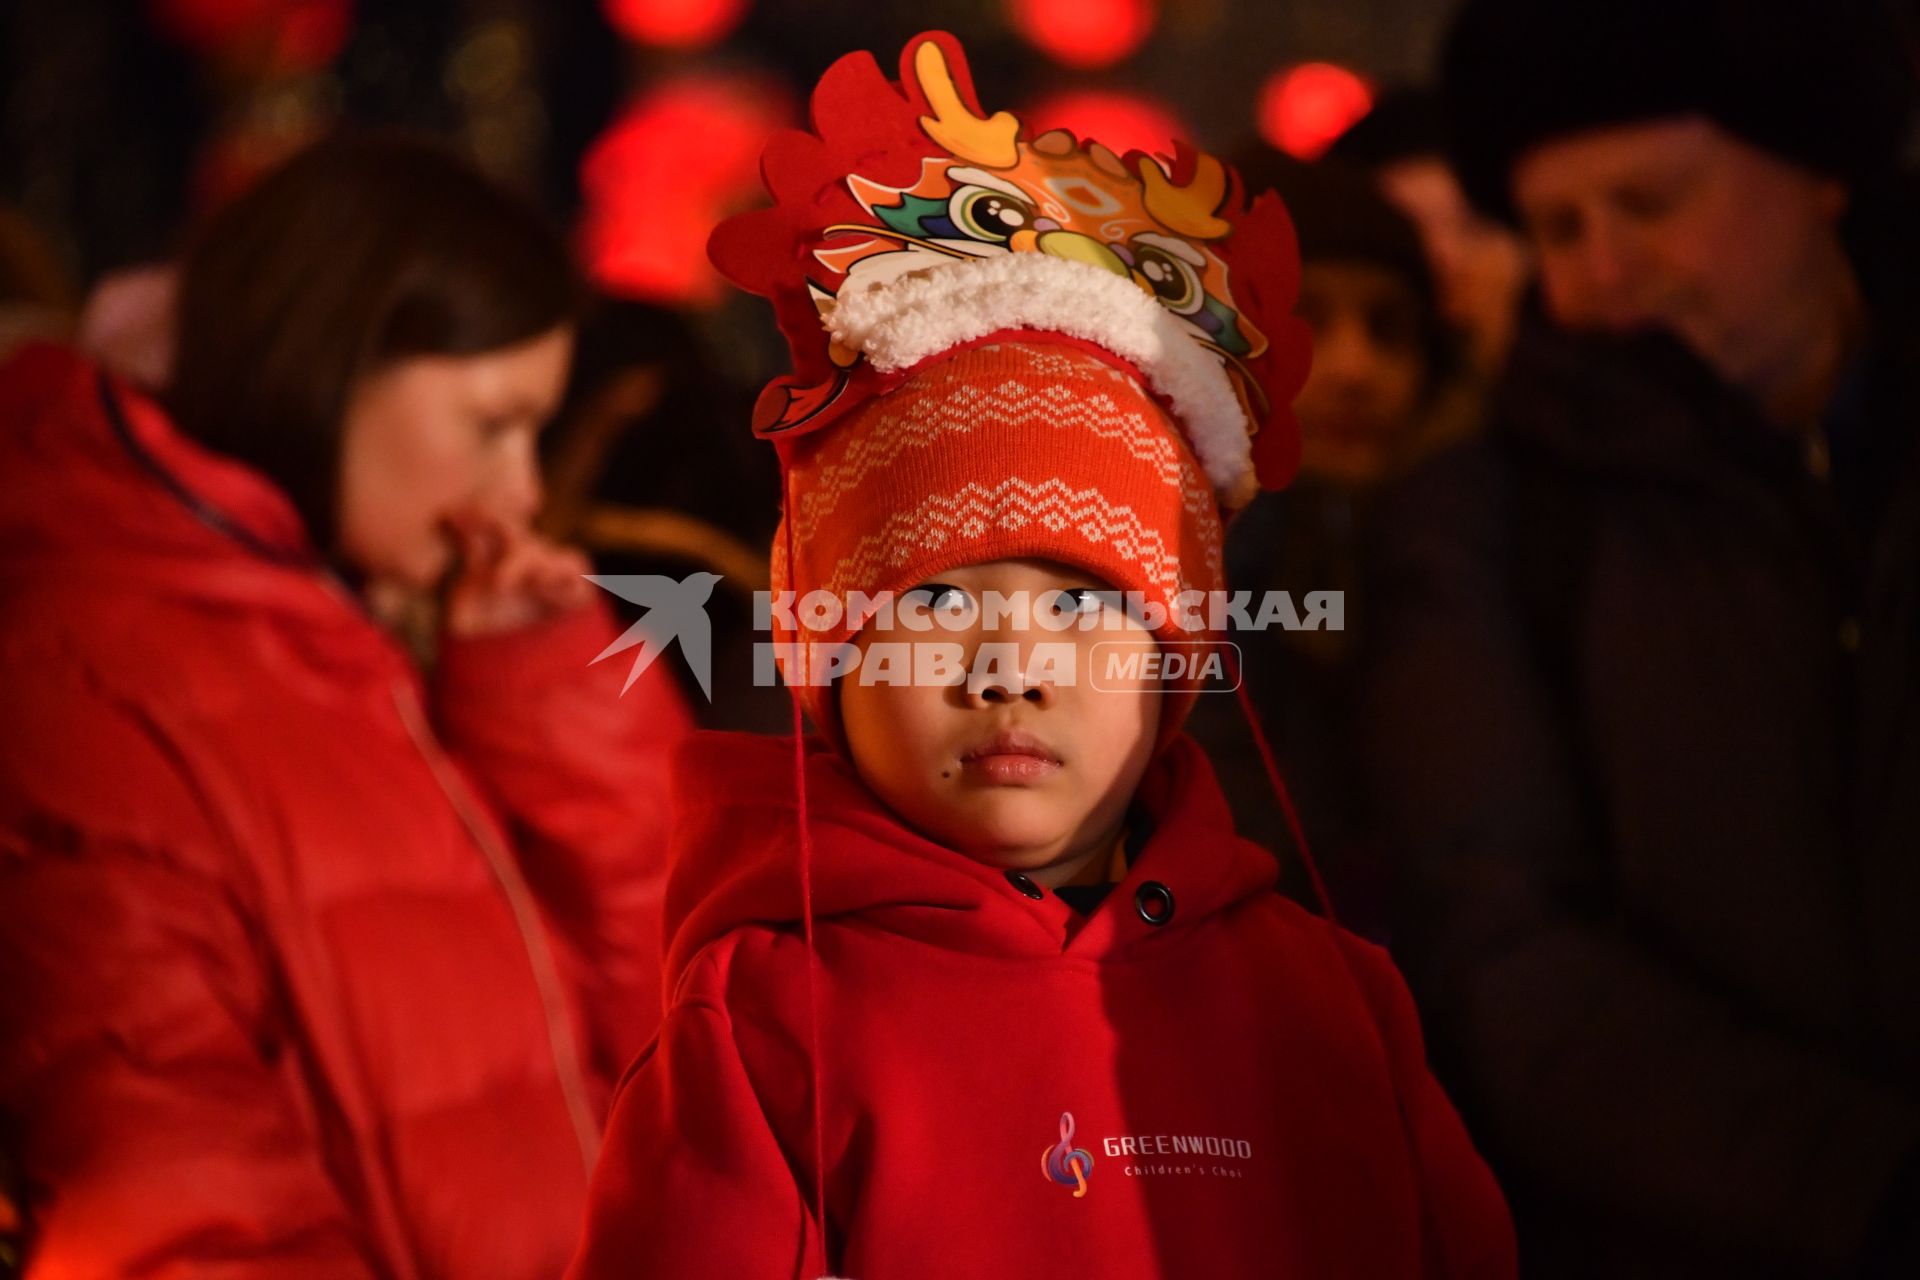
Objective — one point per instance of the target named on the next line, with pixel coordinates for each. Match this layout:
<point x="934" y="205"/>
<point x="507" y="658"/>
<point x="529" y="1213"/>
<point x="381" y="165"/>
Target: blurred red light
<point x="1123" y="122"/>
<point x="276" y="36"/>
<point x="676" y="24"/>
<point x="1083" y="33"/>
<point x="663" y="174"/>
<point x="1304" y="108"/>
<point x="231" y="162"/>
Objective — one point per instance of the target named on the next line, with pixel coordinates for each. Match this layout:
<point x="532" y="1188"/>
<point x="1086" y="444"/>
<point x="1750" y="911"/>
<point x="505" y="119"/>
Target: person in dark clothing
<point x="1643" y="688"/>
<point x="1382" y="359"/>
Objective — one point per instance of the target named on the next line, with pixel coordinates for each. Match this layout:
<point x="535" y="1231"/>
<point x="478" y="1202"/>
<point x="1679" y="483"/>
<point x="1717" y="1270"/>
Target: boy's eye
<point x="942" y="596"/>
<point x="1080" y="600"/>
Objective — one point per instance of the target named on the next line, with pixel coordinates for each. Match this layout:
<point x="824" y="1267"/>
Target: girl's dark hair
<point x="358" y="252"/>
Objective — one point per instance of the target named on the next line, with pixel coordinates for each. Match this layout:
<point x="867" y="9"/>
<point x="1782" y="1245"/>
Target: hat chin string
<point x="806" y="907"/>
<point x="1280" y="790"/>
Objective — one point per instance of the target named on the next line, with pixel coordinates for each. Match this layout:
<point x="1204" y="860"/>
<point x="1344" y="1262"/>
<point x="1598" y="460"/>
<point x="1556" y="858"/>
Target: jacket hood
<point x="735" y="860"/>
<point x="97" y="487"/>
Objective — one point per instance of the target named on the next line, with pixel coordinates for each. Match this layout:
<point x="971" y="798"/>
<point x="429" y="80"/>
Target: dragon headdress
<point x="911" y="222"/>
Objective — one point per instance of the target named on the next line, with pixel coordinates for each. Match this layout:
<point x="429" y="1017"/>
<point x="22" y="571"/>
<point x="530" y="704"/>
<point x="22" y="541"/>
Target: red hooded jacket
<point x="305" y="970"/>
<point x="1010" y="1089"/>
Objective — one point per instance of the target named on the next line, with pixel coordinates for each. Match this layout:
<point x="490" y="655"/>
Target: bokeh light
<point x="1122" y="121"/>
<point x="270" y="36"/>
<point x="664" y="173"/>
<point x="675" y="24"/>
<point x="1083" y="33"/>
<point x="1303" y="109"/>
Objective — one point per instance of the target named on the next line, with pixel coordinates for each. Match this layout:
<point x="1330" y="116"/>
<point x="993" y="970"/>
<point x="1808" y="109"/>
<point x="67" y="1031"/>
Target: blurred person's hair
<point x="359" y="252"/>
<point x="1340" y="214"/>
<point x="1826" y="84"/>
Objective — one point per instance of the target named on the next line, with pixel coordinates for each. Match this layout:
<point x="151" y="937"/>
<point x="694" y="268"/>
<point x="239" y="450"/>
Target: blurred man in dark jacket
<point x="1644" y="702"/>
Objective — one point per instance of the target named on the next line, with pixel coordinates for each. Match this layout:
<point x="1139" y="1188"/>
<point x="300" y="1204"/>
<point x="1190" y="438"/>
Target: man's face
<point x="1029" y="774"/>
<point x="1678" y="224"/>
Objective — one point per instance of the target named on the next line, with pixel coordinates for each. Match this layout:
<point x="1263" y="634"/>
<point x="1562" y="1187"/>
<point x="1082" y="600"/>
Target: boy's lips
<point x="1011" y="756"/>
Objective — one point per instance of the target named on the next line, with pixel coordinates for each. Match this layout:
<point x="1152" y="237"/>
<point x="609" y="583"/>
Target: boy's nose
<point x="997" y="689"/>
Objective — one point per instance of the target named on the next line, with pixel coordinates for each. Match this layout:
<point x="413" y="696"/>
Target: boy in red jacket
<point x="983" y="983"/>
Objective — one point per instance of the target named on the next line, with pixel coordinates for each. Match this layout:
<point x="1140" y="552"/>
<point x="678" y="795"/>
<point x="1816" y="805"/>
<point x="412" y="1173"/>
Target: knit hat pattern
<point x="1003" y="450"/>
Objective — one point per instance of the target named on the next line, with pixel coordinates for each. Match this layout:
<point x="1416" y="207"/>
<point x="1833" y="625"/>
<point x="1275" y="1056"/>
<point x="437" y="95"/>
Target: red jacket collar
<point x="735" y="859"/>
<point x="105" y="449"/>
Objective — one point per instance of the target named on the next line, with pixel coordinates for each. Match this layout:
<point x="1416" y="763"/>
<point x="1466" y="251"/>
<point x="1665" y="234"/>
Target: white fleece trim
<point x="900" y="322"/>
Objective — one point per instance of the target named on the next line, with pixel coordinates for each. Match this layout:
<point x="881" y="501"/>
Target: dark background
<point x="125" y="118"/>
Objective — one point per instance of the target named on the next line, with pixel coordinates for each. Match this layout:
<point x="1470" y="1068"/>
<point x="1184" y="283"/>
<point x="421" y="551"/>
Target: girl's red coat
<point x="306" y="969"/>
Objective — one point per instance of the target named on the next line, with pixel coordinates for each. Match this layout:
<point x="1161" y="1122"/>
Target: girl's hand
<point x="510" y="577"/>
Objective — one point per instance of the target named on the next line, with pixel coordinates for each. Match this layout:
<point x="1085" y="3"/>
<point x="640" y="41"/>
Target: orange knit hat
<point x="1028" y="447"/>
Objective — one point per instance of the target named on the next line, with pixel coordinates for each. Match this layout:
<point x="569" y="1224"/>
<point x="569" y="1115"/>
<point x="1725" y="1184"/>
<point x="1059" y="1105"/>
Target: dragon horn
<point x="989" y="142"/>
<point x="1187" y="208"/>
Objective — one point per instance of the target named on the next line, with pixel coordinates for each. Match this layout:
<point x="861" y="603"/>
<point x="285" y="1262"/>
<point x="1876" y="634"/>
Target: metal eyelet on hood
<point x="1154" y="902"/>
<point x="1024" y="883"/>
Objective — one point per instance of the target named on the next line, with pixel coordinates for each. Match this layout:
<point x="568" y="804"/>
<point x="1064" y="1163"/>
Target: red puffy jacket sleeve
<point x="691" y="1181"/>
<point x="144" y="1071"/>
<point x="1466" y="1228"/>
<point x="579" y="769"/>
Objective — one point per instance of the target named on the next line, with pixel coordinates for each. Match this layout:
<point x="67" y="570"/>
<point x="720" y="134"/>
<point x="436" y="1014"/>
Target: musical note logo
<point x="1065" y="1163"/>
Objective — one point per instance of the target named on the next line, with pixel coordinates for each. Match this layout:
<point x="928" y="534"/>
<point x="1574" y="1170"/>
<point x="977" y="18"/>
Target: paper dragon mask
<point x="910" y="222"/>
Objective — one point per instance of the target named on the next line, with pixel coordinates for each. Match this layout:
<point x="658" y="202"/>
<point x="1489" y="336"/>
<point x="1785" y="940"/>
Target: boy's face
<point x="1010" y="767"/>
